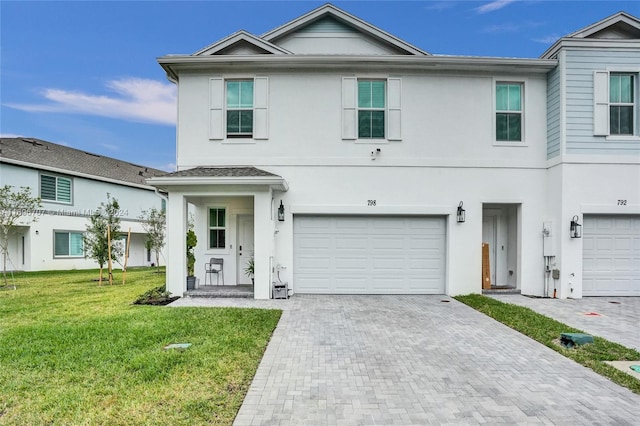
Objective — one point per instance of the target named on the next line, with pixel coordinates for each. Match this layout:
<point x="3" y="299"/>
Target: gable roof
<point x="344" y="17"/>
<point x="622" y="28"/>
<point x="621" y="21"/>
<point x="237" y="38"/>
<point x="220" y="175"/>
<point x="40" y="154"/>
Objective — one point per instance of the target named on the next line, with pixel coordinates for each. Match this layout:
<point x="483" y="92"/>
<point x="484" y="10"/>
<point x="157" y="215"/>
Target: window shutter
<point x="394" y="95"/>
<point x="261" y="108"/>
<point x="349" y="108"/>
<point x="601" y="103"/>
<point x="216" y="110"/>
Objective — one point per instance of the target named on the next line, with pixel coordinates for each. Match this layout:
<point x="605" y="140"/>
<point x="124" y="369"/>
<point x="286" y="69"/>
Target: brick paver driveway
<point x="383" y="360"/>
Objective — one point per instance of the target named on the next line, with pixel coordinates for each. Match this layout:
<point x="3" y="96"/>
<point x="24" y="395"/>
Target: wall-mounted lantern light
<point x="281" y="212"/>
<point x="461" y="213"/>
<point x="575" y="228"/>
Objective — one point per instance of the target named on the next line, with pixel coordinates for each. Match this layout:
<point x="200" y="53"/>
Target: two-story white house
<point x="352" y="162"/>
<point x="71" y="185"/>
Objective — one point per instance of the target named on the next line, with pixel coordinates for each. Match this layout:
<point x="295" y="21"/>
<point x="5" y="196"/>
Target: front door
<point x="245" y="247"/>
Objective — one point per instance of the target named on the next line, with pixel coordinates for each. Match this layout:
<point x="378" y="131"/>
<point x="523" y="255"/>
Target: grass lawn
<point x="547" y="331"/>
<point x="72" y="352"/>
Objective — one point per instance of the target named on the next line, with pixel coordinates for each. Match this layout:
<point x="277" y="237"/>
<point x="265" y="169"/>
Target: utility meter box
<point x="555" y="274"/>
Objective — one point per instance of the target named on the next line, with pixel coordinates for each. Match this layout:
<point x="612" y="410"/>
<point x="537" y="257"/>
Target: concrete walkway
<point x="618" y="318"/>
<point x="415" y="360"/>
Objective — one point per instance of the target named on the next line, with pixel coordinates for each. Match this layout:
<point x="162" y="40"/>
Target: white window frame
<point x="67" y="256"/>
<point x="392" y="109"/>
<point x="601" y="110"/>
<point x="523" y="82"/>
<point x="225" y="228"/>
<point x="56" y="177"/>
<point x="238" y="135"/>
<point x="372" y="109"/>
<point x="218" y="109"/>
<point x="631" y="104"/>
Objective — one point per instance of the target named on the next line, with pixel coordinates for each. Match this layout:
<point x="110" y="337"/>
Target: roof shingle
<point x="48" y="154"/>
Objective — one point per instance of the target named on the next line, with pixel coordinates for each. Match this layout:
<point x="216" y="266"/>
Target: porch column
<point x="176" y="280"/>
<point x="263" y="244"/>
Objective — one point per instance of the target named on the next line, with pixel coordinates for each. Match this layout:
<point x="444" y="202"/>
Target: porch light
<point x="575" y="228"/>
<point x="281" y="212"/>
<point x="461" y="213"/>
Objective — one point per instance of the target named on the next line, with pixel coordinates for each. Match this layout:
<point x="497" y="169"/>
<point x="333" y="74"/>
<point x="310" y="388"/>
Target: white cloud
<point x="10" y="135"/>
<point x="547" y="39"/>
<point x="493" y="6"/>
<point x="510" y="27"/>
<point x="133" y="99"/>
<point x="440" y="5"/>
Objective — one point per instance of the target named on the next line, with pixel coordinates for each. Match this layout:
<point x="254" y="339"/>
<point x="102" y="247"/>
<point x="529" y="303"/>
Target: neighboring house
<point x="71" y="184"/>
<point x="368" y="146"/>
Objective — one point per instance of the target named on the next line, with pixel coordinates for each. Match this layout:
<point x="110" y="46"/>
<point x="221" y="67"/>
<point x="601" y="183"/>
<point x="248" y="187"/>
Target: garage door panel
<point x="611" y="258"/>
<point x="371" y="255"/>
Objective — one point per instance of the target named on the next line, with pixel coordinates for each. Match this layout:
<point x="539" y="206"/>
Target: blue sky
<point x="84" y="74"/>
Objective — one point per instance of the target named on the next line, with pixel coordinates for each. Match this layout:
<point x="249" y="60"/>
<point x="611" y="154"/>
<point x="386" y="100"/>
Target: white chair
<point x="215" y="266"/>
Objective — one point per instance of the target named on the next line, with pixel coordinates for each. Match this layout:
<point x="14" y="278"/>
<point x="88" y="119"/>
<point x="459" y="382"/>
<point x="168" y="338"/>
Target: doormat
<point x="629" y="367"/>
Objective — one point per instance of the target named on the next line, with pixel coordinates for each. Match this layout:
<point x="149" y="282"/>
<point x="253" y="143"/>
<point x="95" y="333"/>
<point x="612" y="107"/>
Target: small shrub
<point x="156" y="296"/>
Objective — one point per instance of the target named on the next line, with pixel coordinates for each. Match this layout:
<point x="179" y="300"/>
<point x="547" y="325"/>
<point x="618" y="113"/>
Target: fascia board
<point x="174" y="63"/>
<point x="341" y="15"/>
<point x="594" y="43"/>
<point x="72" y="173"/>
<point x="276" y="183"/>
<point x="604" y="23"/>
<point x="241" y="36"/>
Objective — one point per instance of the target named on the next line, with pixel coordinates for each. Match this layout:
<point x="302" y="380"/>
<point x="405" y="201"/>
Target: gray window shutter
<point x="349" y="108"/>
<point x="216" y="108"/>
<point x="261" y="108"/>
<point x="601" y="103"/>
<point x="394" y="94"/>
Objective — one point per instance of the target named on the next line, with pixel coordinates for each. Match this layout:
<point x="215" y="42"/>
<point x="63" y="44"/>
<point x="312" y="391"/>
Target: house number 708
<point x="622" y="202"/>
<point x="371" y="202"/>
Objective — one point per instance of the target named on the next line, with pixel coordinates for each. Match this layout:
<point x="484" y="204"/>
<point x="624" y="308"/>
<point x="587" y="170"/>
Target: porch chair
<point x="215" y="266"/>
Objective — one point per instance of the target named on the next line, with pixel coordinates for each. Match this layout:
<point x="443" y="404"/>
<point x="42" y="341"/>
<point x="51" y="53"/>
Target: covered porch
<point x="233" y="212"/>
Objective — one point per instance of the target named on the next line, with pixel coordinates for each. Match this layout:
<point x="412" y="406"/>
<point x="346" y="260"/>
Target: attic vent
<point x="93" y="155"/>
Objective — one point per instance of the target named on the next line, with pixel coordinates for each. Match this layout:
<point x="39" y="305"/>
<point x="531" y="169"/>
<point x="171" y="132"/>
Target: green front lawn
<point x="547" y="331"/>
<point x="72" y="352"/>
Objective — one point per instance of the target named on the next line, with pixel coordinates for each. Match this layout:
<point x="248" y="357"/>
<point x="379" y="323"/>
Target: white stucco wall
<point x="87" y="196"/>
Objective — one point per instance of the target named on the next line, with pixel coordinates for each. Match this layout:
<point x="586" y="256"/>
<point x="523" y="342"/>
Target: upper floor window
<point x="621" y="104"/>
<point x="240" y="108"/>
<point x="217" y="228"/>
<point x="509" y="112"/>
<point x="371" y="109"/>
<point x="68" y="244"/>
<point x="55" y="188"/>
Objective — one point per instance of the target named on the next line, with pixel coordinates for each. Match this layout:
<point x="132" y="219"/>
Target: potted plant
<point x="249" y="270"/>
<point x="192" y="240"/>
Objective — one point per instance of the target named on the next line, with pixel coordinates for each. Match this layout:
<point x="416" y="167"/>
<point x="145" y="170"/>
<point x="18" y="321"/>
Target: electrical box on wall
<point x="555" y="274"/>
<point x="548" y="248"/>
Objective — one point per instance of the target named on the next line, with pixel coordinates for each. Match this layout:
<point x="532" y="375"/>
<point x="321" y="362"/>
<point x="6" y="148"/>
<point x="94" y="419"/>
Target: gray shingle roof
<point x="221" y="172"/>
<point x="47" y="154"/>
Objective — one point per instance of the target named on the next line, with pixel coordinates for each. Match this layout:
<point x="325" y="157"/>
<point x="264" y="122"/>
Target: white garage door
<point x="369" y="255"/>
<point x="611" y="258"/>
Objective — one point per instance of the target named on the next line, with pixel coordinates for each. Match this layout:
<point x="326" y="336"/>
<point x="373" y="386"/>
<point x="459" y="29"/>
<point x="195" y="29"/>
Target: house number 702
<point x="622" y="202"/>
<point x="371" y="202"/>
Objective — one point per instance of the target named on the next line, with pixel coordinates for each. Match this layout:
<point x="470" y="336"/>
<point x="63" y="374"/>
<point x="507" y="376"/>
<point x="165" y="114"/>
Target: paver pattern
<point x="619" y="321"/>
<point x="416" y="360"/>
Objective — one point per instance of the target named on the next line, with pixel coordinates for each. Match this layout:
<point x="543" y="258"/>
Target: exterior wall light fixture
<point x="575" y="228"/>
<point x="281" y="212"/>
<point x="461" y="213"/>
